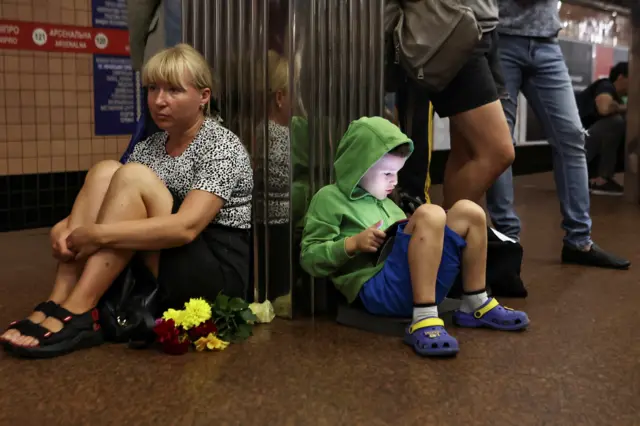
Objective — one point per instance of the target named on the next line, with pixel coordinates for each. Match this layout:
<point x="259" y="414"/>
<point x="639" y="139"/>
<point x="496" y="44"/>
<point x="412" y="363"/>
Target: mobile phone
<point x="387" y="245"/>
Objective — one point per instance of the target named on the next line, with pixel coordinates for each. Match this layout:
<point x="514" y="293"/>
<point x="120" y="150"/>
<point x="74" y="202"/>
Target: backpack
<point x="428" y="41"/>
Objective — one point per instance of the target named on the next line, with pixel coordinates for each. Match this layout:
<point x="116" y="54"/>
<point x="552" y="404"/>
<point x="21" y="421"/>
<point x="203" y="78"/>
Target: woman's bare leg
<point x="85" y="211"/>
<point x="135" y="192"/>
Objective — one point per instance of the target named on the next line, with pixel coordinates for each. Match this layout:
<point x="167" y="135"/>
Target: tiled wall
<point x="46" y="100"/>
<point x="47" y="134"/>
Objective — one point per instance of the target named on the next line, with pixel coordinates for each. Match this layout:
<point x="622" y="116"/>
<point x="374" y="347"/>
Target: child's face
<point x="382" y="177"/>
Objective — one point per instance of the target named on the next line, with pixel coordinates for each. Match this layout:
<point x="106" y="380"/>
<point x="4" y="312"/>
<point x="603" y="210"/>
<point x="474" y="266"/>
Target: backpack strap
<point x="427" y="183"/>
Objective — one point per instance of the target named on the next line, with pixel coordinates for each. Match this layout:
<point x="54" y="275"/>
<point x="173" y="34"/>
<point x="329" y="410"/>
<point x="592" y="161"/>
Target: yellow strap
<point x="427" y="183"/>
<point x="427" y="322"/>
<point x="486" y="308"/>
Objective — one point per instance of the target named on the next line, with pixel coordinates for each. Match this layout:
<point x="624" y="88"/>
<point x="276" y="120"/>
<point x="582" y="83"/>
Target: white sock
<point x="424" y="312"/>
<point x="471" y="302"/>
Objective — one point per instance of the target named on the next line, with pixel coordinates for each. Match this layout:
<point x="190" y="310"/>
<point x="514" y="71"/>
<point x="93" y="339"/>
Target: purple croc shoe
<point x="492" y="315"/>
<point x="429" y="338"/>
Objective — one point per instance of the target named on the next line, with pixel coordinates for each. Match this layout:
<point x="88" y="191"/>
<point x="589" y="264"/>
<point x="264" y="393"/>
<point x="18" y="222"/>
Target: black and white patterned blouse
<point x="216" y="162"/>
<point x="279" y="159"/>
<point x="277" y="175"/>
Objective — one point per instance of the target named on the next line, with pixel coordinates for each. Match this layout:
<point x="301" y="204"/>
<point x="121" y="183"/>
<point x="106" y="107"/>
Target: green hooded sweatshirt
<point x="344" y="209"/>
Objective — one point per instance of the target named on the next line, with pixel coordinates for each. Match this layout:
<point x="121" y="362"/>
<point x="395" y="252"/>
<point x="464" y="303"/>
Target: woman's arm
<point x="197" y="210"/>
<point x="58" y="229"/>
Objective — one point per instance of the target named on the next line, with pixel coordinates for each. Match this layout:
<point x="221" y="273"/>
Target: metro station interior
<point x="68" y="105"/>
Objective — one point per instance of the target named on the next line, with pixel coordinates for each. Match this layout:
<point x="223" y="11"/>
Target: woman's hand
<point x="59" y="234"/>
<point x="83" y="241"/>
<point x="61" y="249"/>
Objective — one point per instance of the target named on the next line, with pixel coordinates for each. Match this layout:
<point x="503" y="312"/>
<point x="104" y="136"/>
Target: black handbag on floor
<point x="129" y="308"/>
<point x="504" y="262"/>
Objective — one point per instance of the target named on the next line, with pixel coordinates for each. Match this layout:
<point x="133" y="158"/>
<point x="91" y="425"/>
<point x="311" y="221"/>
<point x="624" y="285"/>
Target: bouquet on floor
<point x="204" y="325"/>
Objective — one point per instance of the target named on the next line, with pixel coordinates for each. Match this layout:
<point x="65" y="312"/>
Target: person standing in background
<point x="532" y="62"/>
<point x="481" y="146"/>
<point x="153" y="25"/>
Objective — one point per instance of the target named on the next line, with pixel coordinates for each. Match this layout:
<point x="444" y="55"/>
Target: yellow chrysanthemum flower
<point x="174" y="315"/>
<point x="210" y="342"/>
<point x="196" y="311"/>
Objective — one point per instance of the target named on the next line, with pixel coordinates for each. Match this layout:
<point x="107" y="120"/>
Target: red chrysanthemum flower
<point x="176" y="346"/>
<point x="166" y="331"/>
<point x="202" y="330"/>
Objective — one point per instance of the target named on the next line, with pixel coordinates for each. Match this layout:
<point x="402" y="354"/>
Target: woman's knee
<point x="136" y="174"/>
<point x="103" y="171"/>
<point x="430" y="215"/>
<point x="468" y="211"/>
<point x="140" y="178"/>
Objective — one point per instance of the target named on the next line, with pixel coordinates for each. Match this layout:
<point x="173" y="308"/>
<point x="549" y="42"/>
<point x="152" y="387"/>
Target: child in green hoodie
<point x="344" y="229"/>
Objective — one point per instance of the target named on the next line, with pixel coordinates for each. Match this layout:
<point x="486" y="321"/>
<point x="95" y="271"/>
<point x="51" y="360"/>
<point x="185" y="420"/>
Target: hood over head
<point x="365" y="142"/>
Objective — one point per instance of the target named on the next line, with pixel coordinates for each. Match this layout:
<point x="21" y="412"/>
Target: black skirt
<point x="217" y="261"/>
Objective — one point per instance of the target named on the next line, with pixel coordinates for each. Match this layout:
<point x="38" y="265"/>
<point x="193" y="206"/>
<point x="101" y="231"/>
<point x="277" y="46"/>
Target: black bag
<point x="504" y="262"/>
<point x="129" y="308"/>
<point x="431" y="39"/>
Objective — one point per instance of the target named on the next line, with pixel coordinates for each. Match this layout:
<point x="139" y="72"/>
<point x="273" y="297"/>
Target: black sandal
<point x="26" y="326"/>
<point x="78" y="332"/>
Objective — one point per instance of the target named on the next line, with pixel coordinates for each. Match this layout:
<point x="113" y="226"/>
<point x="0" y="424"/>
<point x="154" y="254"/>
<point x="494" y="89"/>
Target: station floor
<point x="578" y="364"/>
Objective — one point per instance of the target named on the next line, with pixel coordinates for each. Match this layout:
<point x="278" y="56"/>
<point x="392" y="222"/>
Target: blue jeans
<point x="537" y="68"/>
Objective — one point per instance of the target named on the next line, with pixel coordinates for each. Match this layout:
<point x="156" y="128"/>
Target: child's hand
<point x="368" y="241"/>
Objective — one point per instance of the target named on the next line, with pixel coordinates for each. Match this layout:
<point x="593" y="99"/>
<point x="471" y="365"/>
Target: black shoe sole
<point x="607" y="193"/>
<point x="616" y="267"/>
<point x="84" y="340"/>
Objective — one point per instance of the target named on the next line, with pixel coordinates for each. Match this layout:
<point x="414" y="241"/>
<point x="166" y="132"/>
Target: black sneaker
<point x="610" y="187"/>
<point x="594" y="257"/>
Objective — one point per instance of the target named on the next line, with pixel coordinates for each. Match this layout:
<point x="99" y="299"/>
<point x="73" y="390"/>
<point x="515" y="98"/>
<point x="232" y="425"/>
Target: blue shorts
<point x="389" y="292"/>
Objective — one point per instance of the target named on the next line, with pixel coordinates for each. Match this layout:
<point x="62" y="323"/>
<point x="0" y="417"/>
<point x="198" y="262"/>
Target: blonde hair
<point x="278" y="71"/>
<point x="169" y="66"/>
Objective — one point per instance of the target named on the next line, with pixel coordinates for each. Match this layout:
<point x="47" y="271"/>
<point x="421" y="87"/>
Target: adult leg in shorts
<point x="481" y="147"/>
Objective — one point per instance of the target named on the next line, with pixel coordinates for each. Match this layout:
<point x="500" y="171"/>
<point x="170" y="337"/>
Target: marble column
<point x="632" y="158"/>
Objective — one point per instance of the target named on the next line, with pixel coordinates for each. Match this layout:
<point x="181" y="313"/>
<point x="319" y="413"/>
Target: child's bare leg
<point x="427" y="334"/>
<point x="468" y="220"/>
<point x="426" y="228"/>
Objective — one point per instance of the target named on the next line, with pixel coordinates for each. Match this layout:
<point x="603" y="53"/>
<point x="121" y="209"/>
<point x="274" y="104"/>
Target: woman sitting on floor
<point x="183" y="200"/>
